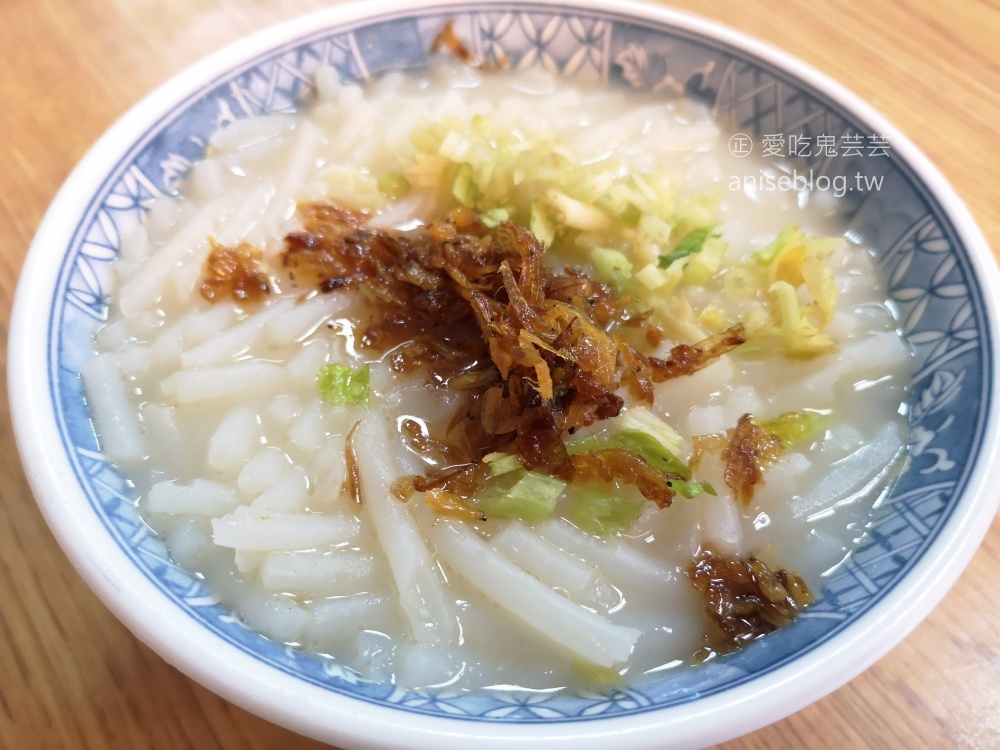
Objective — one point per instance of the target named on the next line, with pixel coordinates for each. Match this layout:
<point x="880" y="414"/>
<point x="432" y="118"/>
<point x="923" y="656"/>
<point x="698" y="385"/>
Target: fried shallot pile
<point x="539" y="353"/>
<point x="744" y="598"/>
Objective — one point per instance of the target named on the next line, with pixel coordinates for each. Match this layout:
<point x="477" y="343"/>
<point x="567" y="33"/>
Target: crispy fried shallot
<point x="626" y="467"/>
<point x="353" y="480"/>
<point x="539" y="353"/>
<point x="447" y="40"/>
<point x="750" y="452"/>
<point x="744" y="598"/>
<point x="234" y="272"/>
<point x="449" y="504"/>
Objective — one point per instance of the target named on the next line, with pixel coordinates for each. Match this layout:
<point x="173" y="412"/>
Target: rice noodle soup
<point x="349" y="398"/>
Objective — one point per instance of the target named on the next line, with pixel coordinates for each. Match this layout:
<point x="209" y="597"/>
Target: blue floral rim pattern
<point x="928" y="272"/>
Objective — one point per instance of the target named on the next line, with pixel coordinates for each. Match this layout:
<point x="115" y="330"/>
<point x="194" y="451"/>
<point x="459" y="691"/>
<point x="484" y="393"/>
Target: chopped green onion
<point x="340" y="384"/>
<point x="795" y="426"/>
<point x="689" y="244"/>
<point x="526" y="495"/>
<point x="603" y="513"/>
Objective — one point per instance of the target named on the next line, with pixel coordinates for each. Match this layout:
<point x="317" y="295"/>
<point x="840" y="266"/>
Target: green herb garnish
<point x="689" y="244"/>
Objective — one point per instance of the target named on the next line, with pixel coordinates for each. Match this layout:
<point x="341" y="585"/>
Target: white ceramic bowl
<point x="937" y="264"/>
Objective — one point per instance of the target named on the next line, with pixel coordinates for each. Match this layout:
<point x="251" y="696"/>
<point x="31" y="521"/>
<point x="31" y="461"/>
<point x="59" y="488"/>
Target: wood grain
<point x="72" y="677"/>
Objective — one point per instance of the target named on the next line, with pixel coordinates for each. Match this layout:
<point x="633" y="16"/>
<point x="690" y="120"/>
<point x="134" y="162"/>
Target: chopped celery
<point x="642" y="419"/>
<point x="630" y="216"/>
<point x="703" y="266"/>
<point x="611" y="266"/>
<point x="427" y="170"/>
<point x="801" y="295"/>
<point x="576" y="214"/>
<point x="393" y="185"/>
<point x="455" y="147"/>
<point x="787" y="300"/>
<point x="603" y="513"/>
<point x="644" y="445"/>
<point x="652" y="234"/>
<point x="801" y="346"/>
<point x="696" y="212"/>
<point x="542" y="224"/>
<point x="526" y="495"/>
<point x="464" y="187"/>
<point x="429" y="137"/>
<point x="689" y="244"/>
<point x="478" y="163"/>
<point x="715" y="318"/>
<point x="650" y="277"/>
<point x="767" y="254"/>
<point x="351" y="188"/>
<point x="791" y="240"/>
<point x="631" y="198"/>
<point x="502" y="463"/>
<point x="795" y="426"/>
<point x="798" y="336"/>
<point x="495" y="217"/>
<point x="818" y="277"/>
<point x="340" y="384"/>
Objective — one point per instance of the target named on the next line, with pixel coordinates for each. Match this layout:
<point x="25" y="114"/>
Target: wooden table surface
<point x="72" y="677"/>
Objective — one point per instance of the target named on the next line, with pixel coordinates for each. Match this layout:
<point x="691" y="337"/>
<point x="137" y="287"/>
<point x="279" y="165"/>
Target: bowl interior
<point x="929" y="273"/>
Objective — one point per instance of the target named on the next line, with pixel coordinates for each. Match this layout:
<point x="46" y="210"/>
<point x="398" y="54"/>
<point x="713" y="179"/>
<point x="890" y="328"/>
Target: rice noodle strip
<point x="146" y="286"/>
<point x="615" y="558"/>
<point x="340" y="572"/>
<point x="246" y="529"/>
<point x="580" y="631"/>
<point x="421" y="594"/>
<point x="244" y="220"/>
<point x="853" y="475"/>
<point x="226" y="345"/>
<point x="114" y="416"/>
<point x="544" y="560"/>
<point x="208" y="383"/>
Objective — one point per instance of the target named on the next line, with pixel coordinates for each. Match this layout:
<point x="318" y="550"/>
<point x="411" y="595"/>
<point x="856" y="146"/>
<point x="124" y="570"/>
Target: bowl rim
<point x="333" y="717"/>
